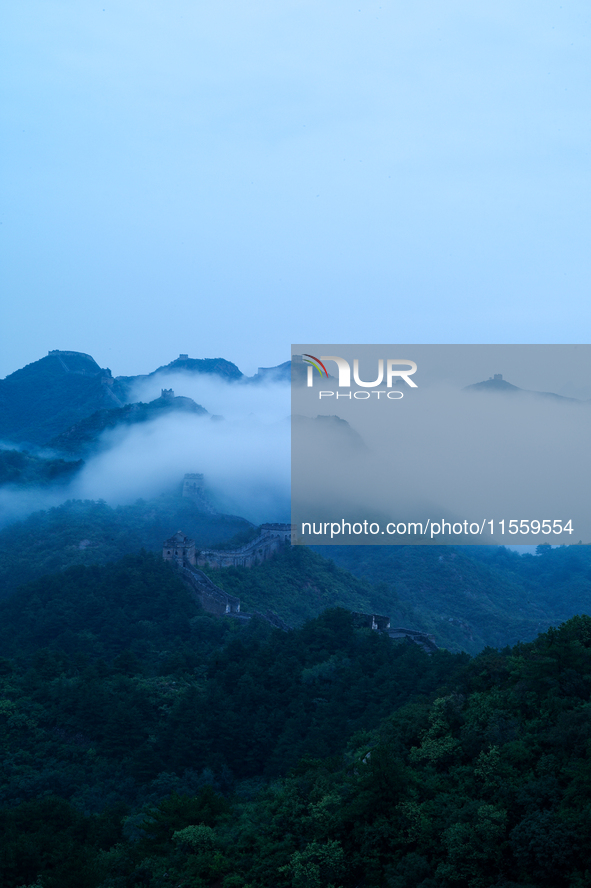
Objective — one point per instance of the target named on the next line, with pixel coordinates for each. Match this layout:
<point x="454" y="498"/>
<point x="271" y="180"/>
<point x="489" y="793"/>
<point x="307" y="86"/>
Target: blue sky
<point x="223" y="179"/>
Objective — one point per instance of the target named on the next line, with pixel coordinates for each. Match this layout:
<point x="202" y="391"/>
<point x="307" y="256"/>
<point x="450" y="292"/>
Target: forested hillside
<point x="466" y="597"/>
<point x="23" y="469"/>
<point x="474" y="596"/>
<point x="94" y="533"/>
<point x="299" y="584"/>
<point x="84" y="435"/>
<point x="145" y="742"/>
<point x="46" y="397"/>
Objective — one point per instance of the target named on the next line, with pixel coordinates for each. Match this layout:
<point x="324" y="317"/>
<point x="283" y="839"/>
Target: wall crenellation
<point x="272" y="538"/>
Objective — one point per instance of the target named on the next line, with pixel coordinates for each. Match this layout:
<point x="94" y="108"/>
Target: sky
<point x="222" y="179"/>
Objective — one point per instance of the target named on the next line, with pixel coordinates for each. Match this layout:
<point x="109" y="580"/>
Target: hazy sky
<point x="225" y="178"/>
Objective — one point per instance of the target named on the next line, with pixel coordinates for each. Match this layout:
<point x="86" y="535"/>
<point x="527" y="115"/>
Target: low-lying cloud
<point x="244" y="457"/>
<point x="245" y="463"/>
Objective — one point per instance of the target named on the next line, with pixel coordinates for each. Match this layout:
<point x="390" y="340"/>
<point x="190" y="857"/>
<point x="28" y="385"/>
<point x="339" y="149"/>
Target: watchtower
<point x="179" y="548"/>
<point x="193" y="484"/>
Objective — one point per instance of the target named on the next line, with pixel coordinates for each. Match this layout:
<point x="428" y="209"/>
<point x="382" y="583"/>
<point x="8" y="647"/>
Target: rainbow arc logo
<point x="317" y="363"/>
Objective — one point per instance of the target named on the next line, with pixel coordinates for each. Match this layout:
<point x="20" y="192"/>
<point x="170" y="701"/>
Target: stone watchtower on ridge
<point x="179" y="548"/>
<point x="193" y="485"/>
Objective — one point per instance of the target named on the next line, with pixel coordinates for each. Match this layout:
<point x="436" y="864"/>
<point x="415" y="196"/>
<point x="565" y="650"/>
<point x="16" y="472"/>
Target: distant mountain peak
<point x="86" y="433"/>
<point x="217" y="366"/>
<point x="43" y="400"/>
<point x="61" y="363"/>
<point x="49" y="395"/>
<point x="496" y="383"/>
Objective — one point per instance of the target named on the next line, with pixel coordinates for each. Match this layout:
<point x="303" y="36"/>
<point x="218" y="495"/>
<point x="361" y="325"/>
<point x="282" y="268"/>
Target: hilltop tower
<point x="179" y="548"/>
<point x="193" y="484"/>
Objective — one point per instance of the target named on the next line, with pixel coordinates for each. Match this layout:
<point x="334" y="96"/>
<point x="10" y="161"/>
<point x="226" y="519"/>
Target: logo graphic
<point x="314" y="362"/>
<point x="396" y="370"/>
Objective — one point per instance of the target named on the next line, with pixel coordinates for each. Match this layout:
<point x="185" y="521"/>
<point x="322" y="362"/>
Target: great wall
<point x="272" y="538"/>
<point x="181" y="550"/>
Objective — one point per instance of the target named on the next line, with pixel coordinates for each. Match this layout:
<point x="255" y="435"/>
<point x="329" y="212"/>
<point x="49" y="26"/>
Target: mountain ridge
<point x="85" y="433"/>
<point x="41" y="402"/>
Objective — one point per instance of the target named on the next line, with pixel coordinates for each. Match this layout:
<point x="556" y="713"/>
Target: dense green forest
<point x="299" y="584"/>
<point x="147" y="743"/>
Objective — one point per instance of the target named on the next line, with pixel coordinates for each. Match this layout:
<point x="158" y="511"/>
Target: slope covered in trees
<point x="23" y="469"/>
<point x="467" y="598"/>
<point x="474" y="596"/>
<point x="84" y="436"/>
<point x="92" y="532"/>
<point x="146" y="743"/>
<point x="299" y="584"/>
<point x="46" y="397"/>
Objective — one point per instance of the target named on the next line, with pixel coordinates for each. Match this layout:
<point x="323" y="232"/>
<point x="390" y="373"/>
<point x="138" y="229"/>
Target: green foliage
<point x="319" y="865"/>
<point x="144" y="742"/>
<point x="201" y="840"/>
<point x="114" y="670"/>
<point x="467" y="598"/>
<point x="478" y="789"/>
<point x="247" y="535"/>
<point x="184" y="820"/>
<point x="49" y="843"/>
<point x="136" y="605"/>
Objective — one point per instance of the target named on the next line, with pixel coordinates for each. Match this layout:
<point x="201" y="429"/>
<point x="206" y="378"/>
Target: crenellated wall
<point x="271" y="539"/>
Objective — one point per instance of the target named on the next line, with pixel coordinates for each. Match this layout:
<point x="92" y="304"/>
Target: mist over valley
<point x="146" y="434"/>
